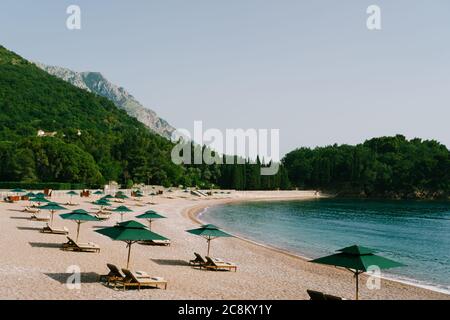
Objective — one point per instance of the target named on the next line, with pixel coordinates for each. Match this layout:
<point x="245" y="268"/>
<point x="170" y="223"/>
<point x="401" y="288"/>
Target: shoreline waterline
<point x="195" y="214"/>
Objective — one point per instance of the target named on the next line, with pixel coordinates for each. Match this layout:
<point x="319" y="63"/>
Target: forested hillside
<point x="390" y="167"/>
<point x="95" y="141"/>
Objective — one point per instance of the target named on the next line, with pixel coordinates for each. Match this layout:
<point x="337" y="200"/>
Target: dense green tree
<point x="379" y="167"/>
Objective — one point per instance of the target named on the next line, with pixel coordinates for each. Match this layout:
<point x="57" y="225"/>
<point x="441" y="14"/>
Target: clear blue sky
<point x="309" y="68"/>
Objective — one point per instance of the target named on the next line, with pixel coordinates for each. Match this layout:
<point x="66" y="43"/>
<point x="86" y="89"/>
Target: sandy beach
<point x="33" y="266"/>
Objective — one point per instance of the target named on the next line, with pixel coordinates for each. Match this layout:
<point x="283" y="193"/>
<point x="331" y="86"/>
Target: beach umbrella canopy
<point x="121" y="196"/>
<point x="71" y="194"/>
<point x="122" y="210"/>
<point x="79" y="216"/>
<point x="17" y="190"/>
<point x="102" y="203"/>
<point x="39" y="200"/>
<point x="150" y="215"/>
<point x="98" y="192"/>
<point x="40" y="195"/>
<point x="107" y="197"/>
<point x="357" y="259"/>
<point x="209" y="232"/>
<point x="130" y="232"/>
<point x="30" y="195"/>
<point x="52" y="207"/>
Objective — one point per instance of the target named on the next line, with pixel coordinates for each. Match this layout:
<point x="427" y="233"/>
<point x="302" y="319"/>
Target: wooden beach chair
<point x="73" y="204"/>
<point x="113" y="276"/>
<point x="218" y="264"/>
<point x="156" y="242"/>
<point x="101" y="215"/>
<point x="49" y="229"/>
<point x="31" y="210"/>
<point x="198" y="261"/>
<point x="320" y="296"/>
<point x="72" y="245"/>
<point x="35" y="217"/>
<point x="141" y="279"/>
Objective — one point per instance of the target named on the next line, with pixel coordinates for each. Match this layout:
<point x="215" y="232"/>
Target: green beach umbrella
<point x="357" y="259"/>
<point x="107" y="197"/>
<point x="102" y="203"/>
<point x="79" y="216"/>
<point x="209" y="232"/>
<point x="130" y="232"/>
<point x="39" y="200"/>
<point x="30" y="195"/>
<point x="52" y="207"/>
<point x="122" y="210"/>
<point x="150" y="215"/>
<point x="121" y="196"/>
<point x="17" y="190"/>
<point x="40" y="195"/>
<point x="71" y="194"/>
<point x="98" y="192"/>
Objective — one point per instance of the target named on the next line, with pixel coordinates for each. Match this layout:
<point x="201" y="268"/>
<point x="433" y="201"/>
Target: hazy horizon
<point x="311" y="69"/>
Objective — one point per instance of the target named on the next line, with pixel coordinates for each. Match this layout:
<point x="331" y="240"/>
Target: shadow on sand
<point x="29" y="229"/>
<point x="85" y="277"/>
<point x="20" y="218"/>
<point x="45" y="245"/>
<point x="170" y="262"/>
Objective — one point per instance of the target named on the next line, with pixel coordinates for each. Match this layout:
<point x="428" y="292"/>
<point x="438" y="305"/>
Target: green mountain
<point x="96" y="83"/>
<point x="87" y="138"/>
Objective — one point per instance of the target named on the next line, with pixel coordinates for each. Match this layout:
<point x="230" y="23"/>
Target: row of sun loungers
<point x="128" y="279"/>
<point x="212" y="263"/>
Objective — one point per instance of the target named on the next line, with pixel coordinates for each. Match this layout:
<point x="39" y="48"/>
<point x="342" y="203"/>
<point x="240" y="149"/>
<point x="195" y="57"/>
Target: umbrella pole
<point x="78" y="229"/>
<point x="51" y="221"/>
<point x="357" y="285"/>
<point x="150" y="224"/>
<point x="129" y="252"/>
<point x="209" y="244"/>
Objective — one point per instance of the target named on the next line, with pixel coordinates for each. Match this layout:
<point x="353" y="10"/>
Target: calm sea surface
<point x="414" y="233"/>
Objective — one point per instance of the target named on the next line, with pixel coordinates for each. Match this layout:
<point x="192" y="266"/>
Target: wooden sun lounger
<point x="212" y="264"/>
<point x="140" y="279"/>
<point x="198" y="261"/>
<point x="48" y="229"/>
<point x="72" y="204"/>
<point x="113" y="276"/>
<point x="34" y="217"/>
<point x="102" y="215"/>
<point x="156" y="242"/>
<point x="31" y="210"/>
<point x="317" y="295"/>
<point x="72" y="245"/>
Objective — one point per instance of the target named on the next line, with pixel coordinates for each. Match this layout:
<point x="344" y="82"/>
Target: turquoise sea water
<point x="414" y="233"/>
